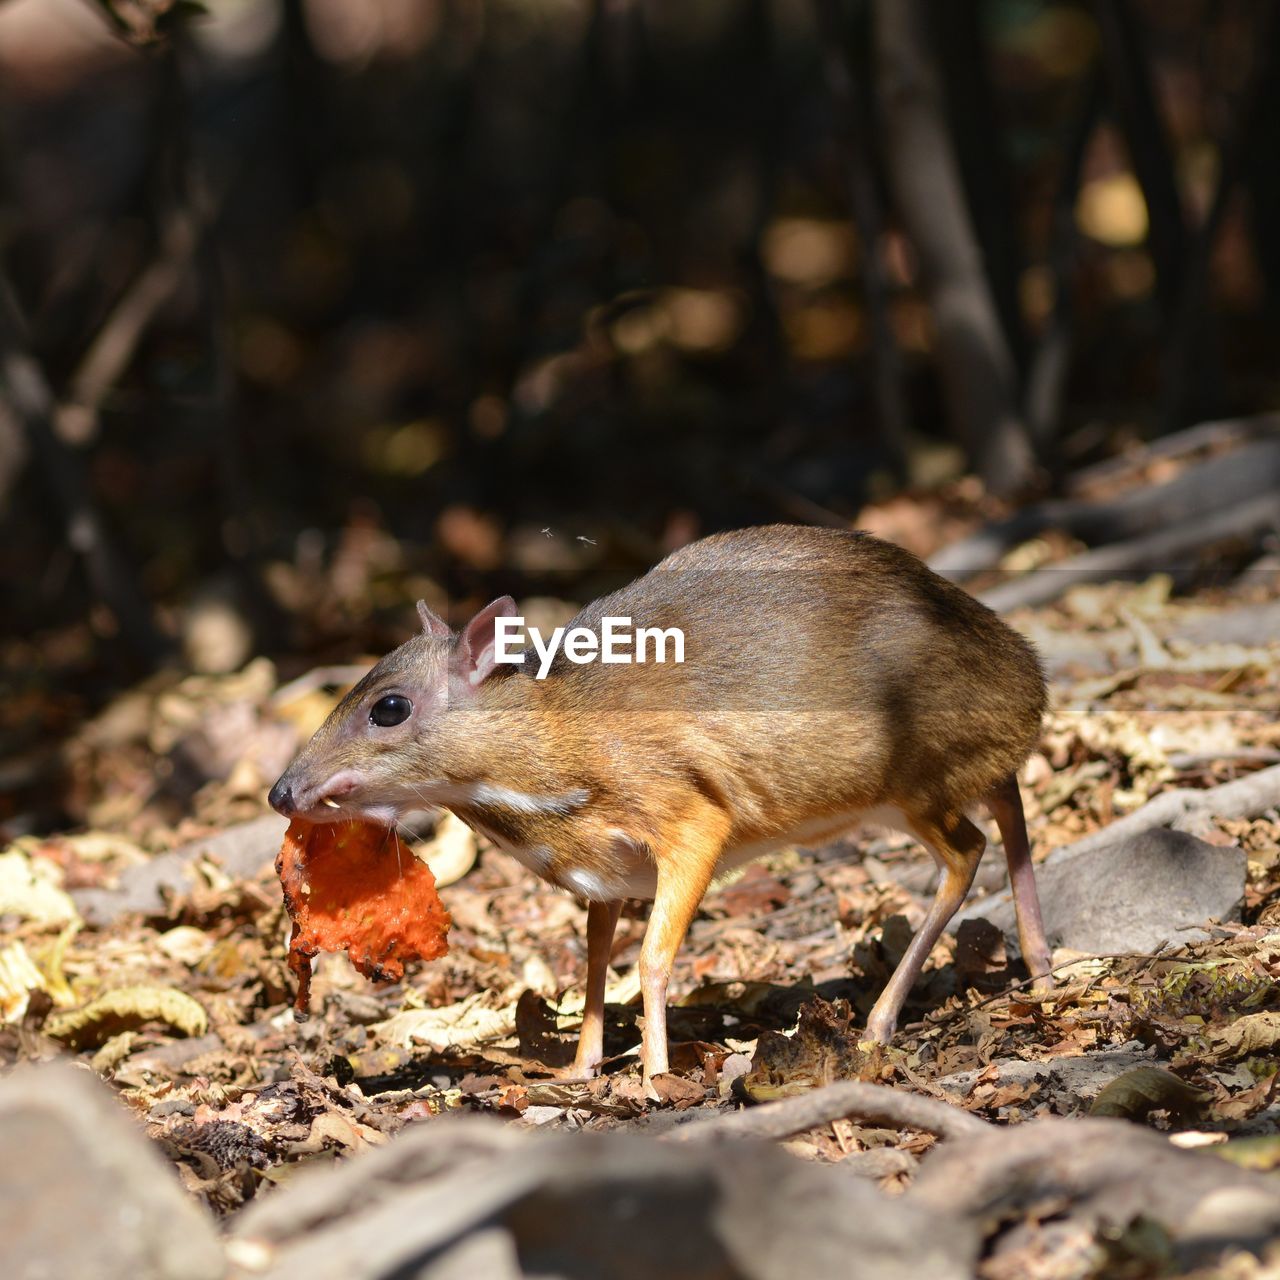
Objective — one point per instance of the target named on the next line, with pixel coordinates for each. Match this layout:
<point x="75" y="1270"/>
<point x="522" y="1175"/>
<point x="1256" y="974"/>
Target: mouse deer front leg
<point x="686" y="860"/>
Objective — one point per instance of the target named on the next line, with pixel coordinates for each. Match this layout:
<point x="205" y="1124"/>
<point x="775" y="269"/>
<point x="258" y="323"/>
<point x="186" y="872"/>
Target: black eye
<point x="393" y="709"/>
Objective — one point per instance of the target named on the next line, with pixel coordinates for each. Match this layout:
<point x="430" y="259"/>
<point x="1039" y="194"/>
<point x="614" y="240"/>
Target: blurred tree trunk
<point x="1262" y="176"/>
<point x="978" y="374"/>
<point x="1050" y="362"/>
<point x="1138" y="114"/>
<point x="846" y="88"/>
<point x="957" y="27"/>
<point x="1189" y="329"/>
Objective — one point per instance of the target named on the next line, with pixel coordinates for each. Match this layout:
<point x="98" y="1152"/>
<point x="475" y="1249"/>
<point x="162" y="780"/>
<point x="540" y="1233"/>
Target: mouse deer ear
<point x="432" y="623"/>
<point x="477" y="653"/>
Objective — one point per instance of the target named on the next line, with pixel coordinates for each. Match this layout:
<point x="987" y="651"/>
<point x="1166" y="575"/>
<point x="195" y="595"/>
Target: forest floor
<point x="182" y="1000"/>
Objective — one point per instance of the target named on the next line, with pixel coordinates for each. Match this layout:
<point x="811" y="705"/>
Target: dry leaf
<point x="472" y="1021"/>
<point x="125" y="1009"/>
<point x="1145" y="1089"/>
<point x="19" y="977"/>
<point x="28" y="890"/>
<point x="1250" y="1034"/>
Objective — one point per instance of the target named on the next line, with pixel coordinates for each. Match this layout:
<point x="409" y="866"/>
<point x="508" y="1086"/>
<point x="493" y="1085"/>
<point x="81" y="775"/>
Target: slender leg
<point x="602" y="920"/>
<point x="957" y="846"/>
<point x="1005" y="804"/>
<point x="686" y="864"/>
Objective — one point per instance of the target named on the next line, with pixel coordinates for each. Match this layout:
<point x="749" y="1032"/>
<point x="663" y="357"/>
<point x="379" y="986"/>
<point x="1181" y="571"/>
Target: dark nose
<point x="280" y="798"/>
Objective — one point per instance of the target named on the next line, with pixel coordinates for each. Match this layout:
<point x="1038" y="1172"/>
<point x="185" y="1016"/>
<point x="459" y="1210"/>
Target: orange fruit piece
<point x="356" y="886"/>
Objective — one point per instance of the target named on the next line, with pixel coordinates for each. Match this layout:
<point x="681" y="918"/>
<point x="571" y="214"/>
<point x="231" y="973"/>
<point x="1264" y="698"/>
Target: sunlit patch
<point x="1112" y="210"/>
<point x="809" y="251"/>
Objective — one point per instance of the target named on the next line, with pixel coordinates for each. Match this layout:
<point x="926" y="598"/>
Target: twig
<point x="338" y="676"/>
<point x="1183" y="760"/>
<point x="1155" y="551"/>
<point x="24" y="384"/>
<point x="941" y="1018"/>
<point x="108" y="355"/>
<point x="1222" y="481"/>
<point x="1178" y="444"/>
<point x="842" y="1100"/>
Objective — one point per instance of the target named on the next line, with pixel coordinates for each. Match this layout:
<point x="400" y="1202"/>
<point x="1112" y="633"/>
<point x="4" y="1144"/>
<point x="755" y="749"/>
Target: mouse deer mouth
<point x="335" y="799"/>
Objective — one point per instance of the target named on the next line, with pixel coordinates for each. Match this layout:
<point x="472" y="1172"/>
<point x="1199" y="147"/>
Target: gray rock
<point x="1152" y="887"/>
<point x="241" y="851"/>
<point x="83" y="1196"/>
<point x="589" y="1205"/>
<point x="1073" y="1083"/>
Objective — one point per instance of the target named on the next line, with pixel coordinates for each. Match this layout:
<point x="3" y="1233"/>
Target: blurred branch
<point x="55" y="425"/>
<point x="1137" y="557"/>
<point x="1180" y="444"/>
<point x="620" y="29"/>
<point x="26" y="388"/>
<point x="113" y="346"/>
<point x="978" y="375"/>
<point x="146" y="23"/>
<point x="1262" y="178"/>
<point x="854" y="136"/>
<point x="1197" y="494"/>
<point x="768" y="127"/>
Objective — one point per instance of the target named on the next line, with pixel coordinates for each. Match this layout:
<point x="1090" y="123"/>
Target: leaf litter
<point x="186" y="1008"/>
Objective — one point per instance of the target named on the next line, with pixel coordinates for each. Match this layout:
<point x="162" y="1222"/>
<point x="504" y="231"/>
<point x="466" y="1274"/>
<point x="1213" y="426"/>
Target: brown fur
<point x="825" y="673"/>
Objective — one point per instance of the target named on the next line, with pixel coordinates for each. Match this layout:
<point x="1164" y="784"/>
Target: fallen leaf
<point x="1248" y="1102"/>
<point x="126" y="1009"/>
<point x="1145" y="1089"/>
<point x="676" y="1091"/>
<point x="1247" y="1035"/>
<point x="328" y="1130"/>
<point x="19" y="977"/>
<point x="28" y="891"/>
<point x="469" y="1022"/>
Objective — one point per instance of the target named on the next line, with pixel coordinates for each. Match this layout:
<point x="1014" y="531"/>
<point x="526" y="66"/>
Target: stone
<point x="618" y="1205"/>
<point x="241" y="851"/>
<point x="83" y="1196"/>
<point x="1129" y="896"/>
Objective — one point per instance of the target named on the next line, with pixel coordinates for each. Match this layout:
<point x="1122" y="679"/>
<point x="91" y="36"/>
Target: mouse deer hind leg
<point x="602" y="922"/>
<point x="956" y="845"/>
<point x="1005" y="803"/>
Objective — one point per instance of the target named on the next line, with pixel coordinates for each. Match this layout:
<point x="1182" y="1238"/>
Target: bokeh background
<point x="309" y="308"/>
